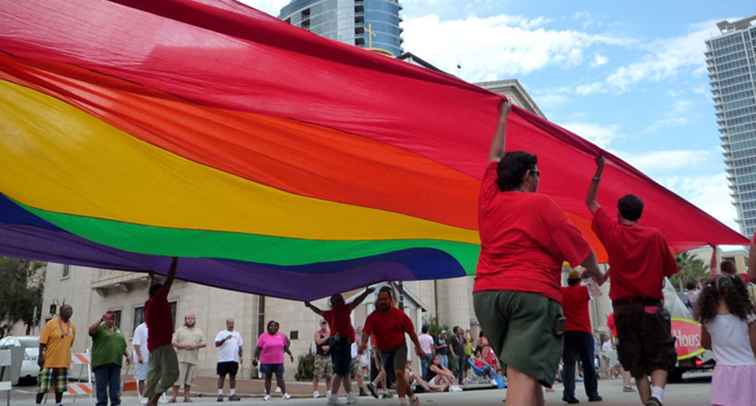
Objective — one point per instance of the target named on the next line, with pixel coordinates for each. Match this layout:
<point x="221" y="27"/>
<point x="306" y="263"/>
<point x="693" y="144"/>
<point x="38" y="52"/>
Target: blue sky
<point x="629" y="76"/>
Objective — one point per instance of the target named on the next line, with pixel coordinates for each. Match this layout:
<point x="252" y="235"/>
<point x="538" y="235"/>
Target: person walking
<point x="187" y="341"/>
<point x="728" y="328"/>
<point x="525" y="237"/>
<point x="229" y="344"/>
<point x="55" y="341"/>
<point x="109" y="347"/>
<point x="389" y="325"/>
<point x="458" y="342"/>
<point x="271" y="346"/>
<point x="639" y="260"/>
<point x="339" y="319"/>
<point x="360" y="364"/>
<point x="426" y="344"/>
<point x="163" y="361"/>
<point x="141" y="358"/>
<point x="322" y="366"/>
<point x="578" y="340"/>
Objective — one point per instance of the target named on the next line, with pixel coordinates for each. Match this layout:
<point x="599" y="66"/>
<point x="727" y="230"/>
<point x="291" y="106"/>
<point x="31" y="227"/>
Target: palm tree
<point x="691" y="268"/>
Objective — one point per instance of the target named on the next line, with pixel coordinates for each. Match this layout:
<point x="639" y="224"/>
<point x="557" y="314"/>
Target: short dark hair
<point x="425" y="329"/>
<point x="512" y="167"/>
<point x="154" y="288"/>
<point x="630" y="207"/>
<point x="728" y="267"/>
<point x="388" y="290"/>
<point x="573" y="281"/>
<point x="690" y="285"/>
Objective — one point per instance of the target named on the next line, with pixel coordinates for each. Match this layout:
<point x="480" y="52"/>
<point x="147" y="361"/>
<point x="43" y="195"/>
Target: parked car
<point x="29" y="367"/>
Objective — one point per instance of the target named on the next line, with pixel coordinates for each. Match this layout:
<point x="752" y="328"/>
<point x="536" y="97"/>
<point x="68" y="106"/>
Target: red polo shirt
<point x="388" y="328"/>
<point x="575" y="305"/>
<point x="340" y="322"/>
<point x="157" y="315"/>
<point x="524" y="238"/>
<point x="639" y="258"/>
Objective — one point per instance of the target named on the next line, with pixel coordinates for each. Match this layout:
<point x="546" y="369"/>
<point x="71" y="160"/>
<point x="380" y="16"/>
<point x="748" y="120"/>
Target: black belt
<point x="637" y="301"/>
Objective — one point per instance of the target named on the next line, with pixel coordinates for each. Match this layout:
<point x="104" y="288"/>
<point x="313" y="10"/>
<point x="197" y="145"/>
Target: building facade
<point x="731" y="62"/>
<point x="365" y="23"/>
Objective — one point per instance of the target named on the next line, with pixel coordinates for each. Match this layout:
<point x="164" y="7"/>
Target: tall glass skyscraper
<point x="731" y="61"/>
<point x="365" y="23"/>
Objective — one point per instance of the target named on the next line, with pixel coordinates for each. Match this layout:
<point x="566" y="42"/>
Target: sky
<point x="628" y="76"/>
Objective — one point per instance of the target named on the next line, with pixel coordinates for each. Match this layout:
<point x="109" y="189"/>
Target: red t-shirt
<point x="610" y="323"/>
<point x="340" y="322"/>
<point x="575" y="305"/>
<point x="388" y="328"/>
<point x="524" y="238"/>
<point x="639" y="258"/>
<point x="157" y="315"/>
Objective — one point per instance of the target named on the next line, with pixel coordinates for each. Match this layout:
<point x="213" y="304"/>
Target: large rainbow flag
<point x="269" y="159"/>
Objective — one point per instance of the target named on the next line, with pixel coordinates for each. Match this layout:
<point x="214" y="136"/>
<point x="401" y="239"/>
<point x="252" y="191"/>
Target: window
<point x="294" y="335"/>
<point x="66" y="272"/>
<point x="117" y="318"/>
<point x="138" y="317"/>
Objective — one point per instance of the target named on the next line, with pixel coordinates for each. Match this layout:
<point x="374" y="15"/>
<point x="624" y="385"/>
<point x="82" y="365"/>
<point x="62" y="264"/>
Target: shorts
<point x="323" y="367"/>
<point x="341" y="357"/>
<point x="356" y="367"/>
<point x="227" y="368"/>
<point x="141" y="371"/>
<point x="645" y="338"/>
<point x="270" y="369"/>
<point x="393" y="361"/>
<point x="56" y="378"/>
<point x="186" y="374"/>
<point x="524" y="330"/>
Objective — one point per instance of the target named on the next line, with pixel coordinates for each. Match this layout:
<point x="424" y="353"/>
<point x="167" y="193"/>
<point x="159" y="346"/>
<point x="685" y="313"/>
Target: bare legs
<point x="523" y="390"/>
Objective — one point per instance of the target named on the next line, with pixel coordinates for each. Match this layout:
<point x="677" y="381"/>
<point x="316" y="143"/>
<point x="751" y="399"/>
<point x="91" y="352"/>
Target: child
<point x="728" y="327"/>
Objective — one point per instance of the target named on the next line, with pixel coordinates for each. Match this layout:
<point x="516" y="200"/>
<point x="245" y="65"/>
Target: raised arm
<point x="592" y="269"/>
<point x="590" y="199"/>
<point x="500" y="137"/>
<point x="313" y="308"/>
<point x="752" y="260"/>
<point x="361" y="298"/>
<point x="93" y="327"/>
<point x="171" y="274"/>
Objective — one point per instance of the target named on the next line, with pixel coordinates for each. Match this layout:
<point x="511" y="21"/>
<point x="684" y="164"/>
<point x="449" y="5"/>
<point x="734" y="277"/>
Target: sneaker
<point x="266" y="398"/>
<point x="286" y="396"/>
<point x="220" y="398"/>
<point x="315" y="395"/>
<point x="363" y="392"/>
<point x="144" y="401"/>
<point x="653" y="402"/>
<point x="595" y="398"/>
<point x="371" y="388"/>
<point x="234" y="398"/>
<point x="628" y="388"/>
<point x="333" y="400"/>
<point x="571" y="400"/>
<point x="351" y="399"/>
<point x="494" y="383"/>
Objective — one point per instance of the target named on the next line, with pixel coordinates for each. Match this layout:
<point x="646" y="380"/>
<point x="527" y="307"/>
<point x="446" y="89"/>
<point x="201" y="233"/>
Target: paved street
<point x="692" y="393"/>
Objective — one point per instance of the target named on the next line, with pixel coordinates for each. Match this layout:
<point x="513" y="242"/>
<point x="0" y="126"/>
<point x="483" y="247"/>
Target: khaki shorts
<point x="524" y="330"/>
<point x="323" y="367"/>
<point x="186" y="374"/>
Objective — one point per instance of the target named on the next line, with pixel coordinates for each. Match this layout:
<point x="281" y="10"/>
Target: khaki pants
<point x="164" y="371"/>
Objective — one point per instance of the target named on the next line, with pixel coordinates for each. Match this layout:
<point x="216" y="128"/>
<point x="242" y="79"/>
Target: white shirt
<point x="426" y="343"/>
<point x="229" y="351"/>
<point x="730" y="340"/>
<point x="140" y="339"/>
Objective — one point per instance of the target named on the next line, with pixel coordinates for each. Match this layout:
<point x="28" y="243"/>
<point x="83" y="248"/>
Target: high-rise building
<point x="730" y="59"/>
<point x="365" y="23"/>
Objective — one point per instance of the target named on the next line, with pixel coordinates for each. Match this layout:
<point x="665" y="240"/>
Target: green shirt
<point x="108" y="347"/>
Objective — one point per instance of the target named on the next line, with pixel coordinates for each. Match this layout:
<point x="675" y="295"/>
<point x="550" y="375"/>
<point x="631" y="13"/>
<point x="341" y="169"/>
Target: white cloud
<point x="664" y="59"/>
<point x="272" y="7"/>
<point x="599" y="60"/>
<point x="709" y="192"/>
<point x="666" y="160"/>
<point x="674" y="117"/>
<point x="601" y="135"/>
<point x="501" y="46"/>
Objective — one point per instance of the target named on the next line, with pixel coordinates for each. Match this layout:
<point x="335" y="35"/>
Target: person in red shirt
<point x="389" y="325"/>
<point x="342" y="336"/>
<point x="164" y="368"/>
<point x="524" y="238"/>
<point x="639" y="261"/>
<point x="578" y="340"/>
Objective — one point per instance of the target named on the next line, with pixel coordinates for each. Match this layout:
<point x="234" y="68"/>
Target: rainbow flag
<point x="269" y="159"/>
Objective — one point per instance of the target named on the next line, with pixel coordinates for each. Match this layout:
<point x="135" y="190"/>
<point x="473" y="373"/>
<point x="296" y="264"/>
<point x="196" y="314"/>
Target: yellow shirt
<point x="58" y="338"/>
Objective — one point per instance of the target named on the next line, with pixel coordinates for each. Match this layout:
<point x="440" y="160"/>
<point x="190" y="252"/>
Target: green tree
<point x="21" y="289"/>
<point x="692" y="269"/>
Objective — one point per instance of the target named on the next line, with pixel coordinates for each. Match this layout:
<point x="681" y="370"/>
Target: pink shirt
<point x="271" y="348"/>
